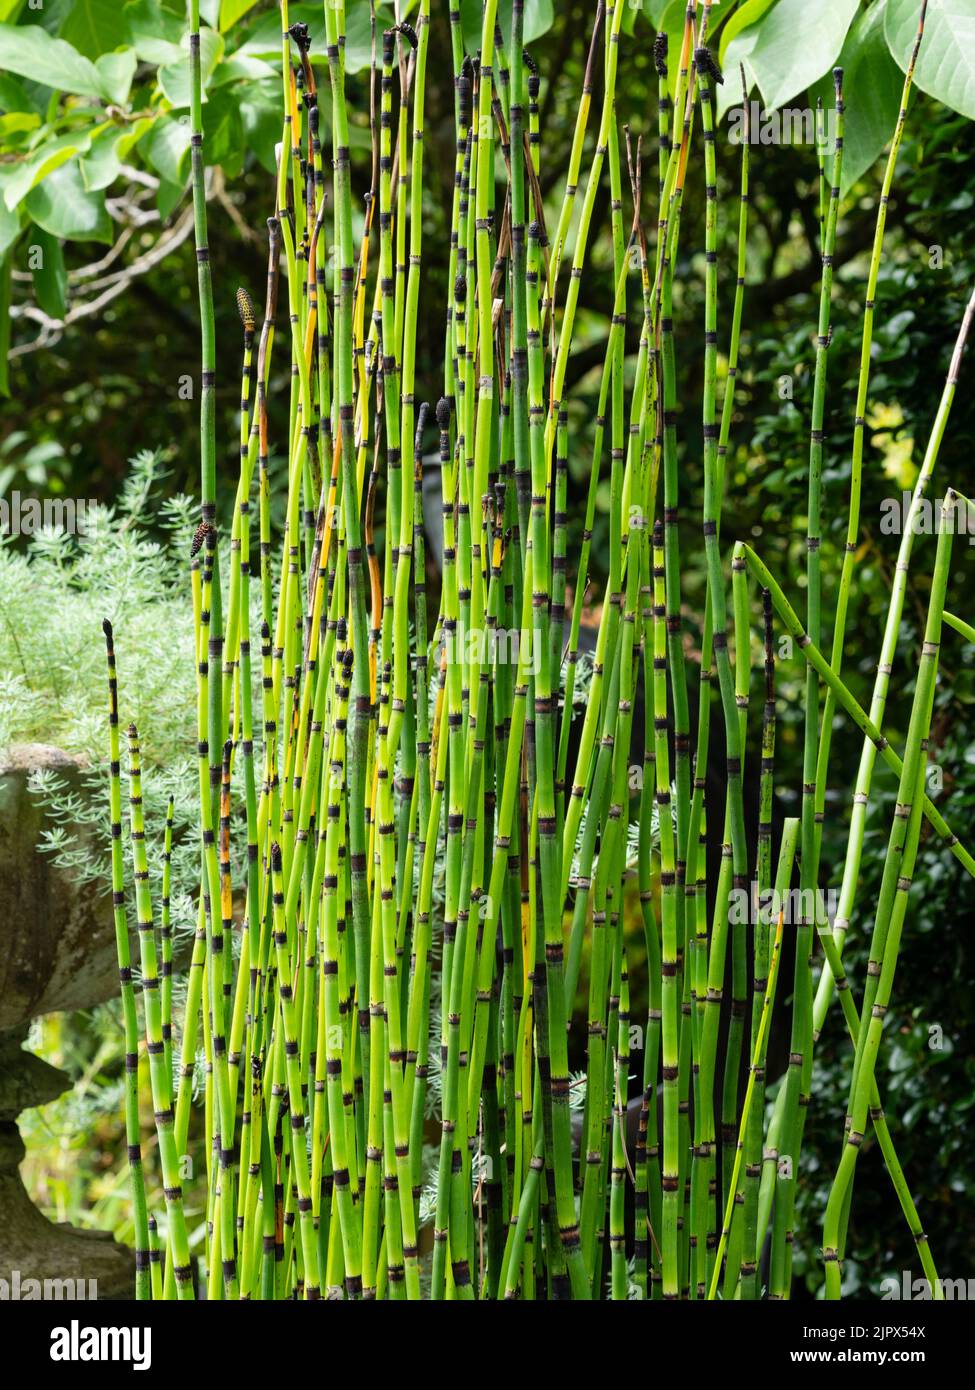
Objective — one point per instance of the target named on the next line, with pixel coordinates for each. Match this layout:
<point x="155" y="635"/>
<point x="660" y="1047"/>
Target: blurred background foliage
<point x="101" y="340"/>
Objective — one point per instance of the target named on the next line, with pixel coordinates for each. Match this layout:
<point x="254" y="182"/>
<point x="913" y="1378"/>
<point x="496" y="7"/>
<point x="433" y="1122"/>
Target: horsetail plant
<point x="413" y="861"/>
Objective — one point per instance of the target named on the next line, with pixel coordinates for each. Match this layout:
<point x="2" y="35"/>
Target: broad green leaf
<point x="46" y="262"/>
<point x="867" y="67"/>
<point x="946" y="61"/>
<point x="42" y="162"/>
<point x="654" y="10"/>
<point x="10" y="9"/>
<point x="9" y="227"/>
<point x="174" y="78"/>
<point x="63" y="206"/>
<point x="167" y="148"/>
<point x="672" y="24"/>
<point x="264" y="35"/>
<point x="223" y="132"/>
<point x="168" y="196"/>
<point x="243" y="67"/>
<point x="117" y="71"/>
<point x="358" y="37"/>
<point x="260" y="108"/>
<point x="539" y="17"/>
<point x="17" y="122"/>
<point x="101" y="165"/>
<point x="92" y="26"/>
<point x="30" y="51"/>
<point x="792" y="45"/>
<point x="133" y="133"/>
<point x="746" y="14"/>
<point x="232" y="10"/>
<point x="731" y="93"/>
<point x="154" y="32"/>
<point x="13" y="95"/>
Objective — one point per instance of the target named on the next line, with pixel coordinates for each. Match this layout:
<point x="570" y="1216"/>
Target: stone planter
<point x="57" y="952"/>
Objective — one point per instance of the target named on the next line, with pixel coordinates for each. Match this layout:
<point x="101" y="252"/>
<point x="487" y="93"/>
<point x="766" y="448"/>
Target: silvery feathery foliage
<point x="53" y="597"/>
<point x="428" y="1194"/>
<point x="577" y="1090"/>
<point x="583" y="682"/>
<point x="632" y="841"/>
<point x="435" y="1076"/>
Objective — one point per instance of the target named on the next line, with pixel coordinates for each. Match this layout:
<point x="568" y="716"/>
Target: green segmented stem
<point x="208" y="446"/>
<point x="670" y="1005"/>
<point x="394" y="797"/>
<point x="856" y="461"/>
<point x="166" y="939"/>
<point x="864" y="723"/>
<point x="775" y="1131"/>
<point x="748" y="1258"/>
<point x="614" y="18"/>
<point x="129" y="1017"/>
<point x="160" y="1076"/>
<point x="878" y="699"/>
<point x="617" y="1238"/>
<point x="343" y="378"/>
<point x="891" y="903"/>
<point x="790" y="835"/>
<point x="799" y="1079"/>
<point x="290" y="1038"/>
